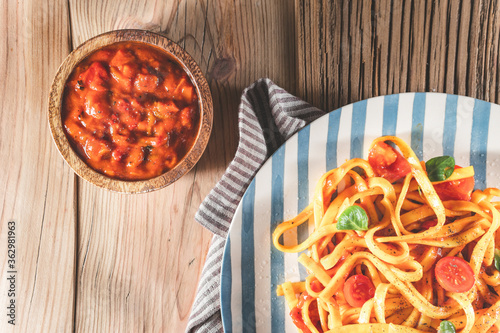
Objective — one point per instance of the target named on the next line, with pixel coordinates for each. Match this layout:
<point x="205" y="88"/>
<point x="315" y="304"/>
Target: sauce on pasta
<point x="421" y="258"/>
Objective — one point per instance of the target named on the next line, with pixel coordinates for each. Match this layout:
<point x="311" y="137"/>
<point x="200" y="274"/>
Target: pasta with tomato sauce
<point x="398" y="245"/>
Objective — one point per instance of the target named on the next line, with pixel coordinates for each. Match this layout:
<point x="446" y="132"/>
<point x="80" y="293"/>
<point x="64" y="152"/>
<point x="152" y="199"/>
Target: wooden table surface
<point x="94" y="261"/>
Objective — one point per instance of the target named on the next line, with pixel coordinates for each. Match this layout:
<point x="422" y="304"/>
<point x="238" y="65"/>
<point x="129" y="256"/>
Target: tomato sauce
<point x="130" y="111"/>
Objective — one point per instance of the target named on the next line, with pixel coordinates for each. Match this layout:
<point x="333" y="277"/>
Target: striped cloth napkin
<point x="268" y="116"/>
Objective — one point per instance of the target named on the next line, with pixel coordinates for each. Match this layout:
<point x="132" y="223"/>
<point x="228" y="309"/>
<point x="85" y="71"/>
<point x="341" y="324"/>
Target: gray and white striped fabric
<point x="268" y="116"/>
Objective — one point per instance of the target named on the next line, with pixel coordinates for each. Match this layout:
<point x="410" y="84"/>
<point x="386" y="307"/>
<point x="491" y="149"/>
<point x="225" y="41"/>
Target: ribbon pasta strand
<point x="409" y="230"/>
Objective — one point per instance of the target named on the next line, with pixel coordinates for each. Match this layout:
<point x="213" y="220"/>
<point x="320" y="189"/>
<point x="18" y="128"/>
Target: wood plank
<point x="37" y="187"/>
<point x="140" y="256"/>
<point x="385" y="47"/>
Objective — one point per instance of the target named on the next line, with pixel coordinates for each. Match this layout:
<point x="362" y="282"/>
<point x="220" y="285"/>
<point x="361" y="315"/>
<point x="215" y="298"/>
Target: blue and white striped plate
<point x="434" y="124"/>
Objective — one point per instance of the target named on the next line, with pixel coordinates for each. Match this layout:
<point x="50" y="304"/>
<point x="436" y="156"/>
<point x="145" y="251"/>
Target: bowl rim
<point x="187" y="63"/>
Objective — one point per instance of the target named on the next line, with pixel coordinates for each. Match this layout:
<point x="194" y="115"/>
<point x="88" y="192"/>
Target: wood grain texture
<point x="363" y="49"/>
<point x="37" y="187"/>
<point x="140" y="256"/>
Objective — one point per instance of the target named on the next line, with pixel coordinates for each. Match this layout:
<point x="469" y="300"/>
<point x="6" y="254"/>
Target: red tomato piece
<point x="429" y="224"/>
<point x="96" y="105"/>
<point x="124" y="82"/>
<point x="180" y="87"/>
<point x="96" y="149"/>
<point x="164" y="109"/>
<point x="296" y="315"/>
<point x="146" y="83"/>
<point x="128" y="115"/>
<point x="123" y="106"/>
<point x="119" y="139"/>
<point x="119" y="153"/>
<point x="121" y="58"/>
<point x="171" y="159"/>
<point x="142" y="126"/>
<point x="170" y="82"/>
<point x="357" y="290"/>
<point x="102" y="55"/>
<point x="454" y="274"/>
<point x="129" y="70"/>
<point x="162" y="128"/>
<point x="188" y="117"/>
<point x="187" y="93"/>
<point x="388" y="162"/>
<point x="460" y="189"/>
<point x="95" y="77"/>
<point x="316" y="286"/>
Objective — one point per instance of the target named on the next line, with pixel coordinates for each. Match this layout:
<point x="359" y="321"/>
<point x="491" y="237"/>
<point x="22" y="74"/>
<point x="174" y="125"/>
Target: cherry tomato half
<point x="454" y="274"/>
<point x="460" y="189"/>
<point x="296" y="313"/>
<point x="388" y="162"/>
<point x="429" y="224"/>
<point x="357" y="290"/>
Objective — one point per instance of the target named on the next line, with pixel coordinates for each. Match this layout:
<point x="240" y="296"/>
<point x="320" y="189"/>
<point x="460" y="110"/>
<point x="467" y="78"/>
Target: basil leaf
<point x="446" y="327"/>
<point x="497" y="259"/>
<point x="440" y="168"/>
<point x="353" y="218"/>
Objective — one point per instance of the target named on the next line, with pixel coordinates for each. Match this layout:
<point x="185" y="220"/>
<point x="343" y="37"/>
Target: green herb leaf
<point x="446" y="327"/>
<point x="353" y="218"/>
<point x="440" y="168"/>
<point x="497" y="259"/>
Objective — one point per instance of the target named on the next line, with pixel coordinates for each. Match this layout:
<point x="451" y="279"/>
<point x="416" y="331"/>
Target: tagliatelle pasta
<point x="424" y="261"/>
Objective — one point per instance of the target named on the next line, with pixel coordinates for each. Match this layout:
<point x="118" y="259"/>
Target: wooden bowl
<point x="189" y="66"/>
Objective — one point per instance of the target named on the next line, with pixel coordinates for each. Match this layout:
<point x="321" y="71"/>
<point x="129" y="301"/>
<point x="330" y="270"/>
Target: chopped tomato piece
<point x="296" y="315"/>
<point x="129" y="70"/>
<point x="179" y="89"/>
<point x="188" y="117"/>
<point x="170" y="83"/>
<point x="72" y="128"/>
<point x="142" y="126"/>
<point x="123" y="69"/>
<point x="121" y="58"/>
<point x="118" y="153"/>
<point x="136" y="104"/>
<point x="96" y="105"/>
<point x="124" y="81"/>
<point x="95" y="148"/>
<point x="123" y="106"/>
<point x="128" y="115"/>
<point x="316" y="286"/>
<point x="357" y="290"/>
<point x="429" y="224"/>
<point x="119" y="139"/>
<point x="171" y="160"/>
<point x="163" y="109"/>
<point x="134" y="158"/>
<point x="103" y="55"/>
<point x="146" y="82"/>
<point x="188" y="94"/>
<point x="454" y="274"/>
<point x="460" y="189"/>
<point x="388" y="162"/>
<point x="95" y="77"/>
